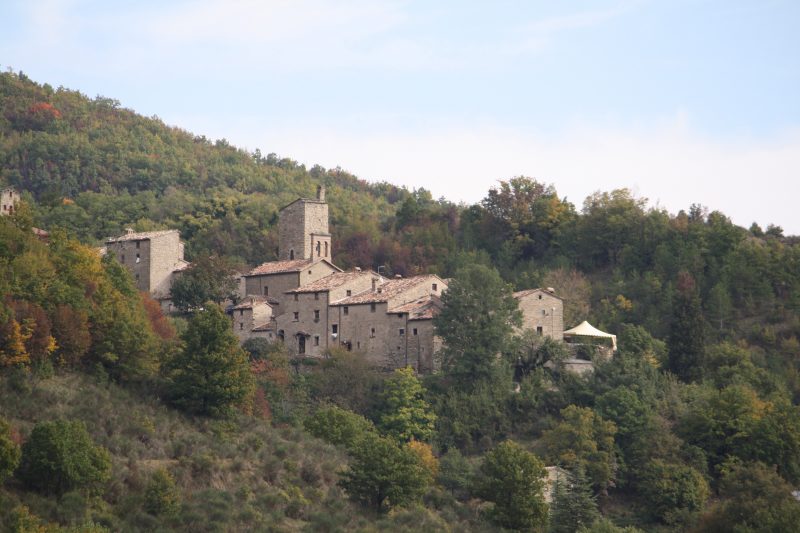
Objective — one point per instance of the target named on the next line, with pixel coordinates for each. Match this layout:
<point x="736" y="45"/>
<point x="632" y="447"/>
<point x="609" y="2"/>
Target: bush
<point x="672" y="490"/>
<point x="9" y="451"/>
<point x="339" y="427"/>
<point x="161" y="496"/>
<point x="60" y="456"/>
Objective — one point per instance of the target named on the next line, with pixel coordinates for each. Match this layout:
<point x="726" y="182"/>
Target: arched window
<point x="326" y="248"/>
<point x="319" y="245"/>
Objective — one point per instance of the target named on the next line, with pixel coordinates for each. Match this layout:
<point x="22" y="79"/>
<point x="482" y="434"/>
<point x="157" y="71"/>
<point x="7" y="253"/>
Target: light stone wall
<point x="166" y="252"/>
<point x="135" y="259"/>
<point x="8" y="201"/>
<point x="296" y="223"/>
<point x="541" y="309"/>
<point x="318" y="329"/>
<point x="273" y="285"/>
<point x="244" y="320"/>
<point x="316" y="271"/>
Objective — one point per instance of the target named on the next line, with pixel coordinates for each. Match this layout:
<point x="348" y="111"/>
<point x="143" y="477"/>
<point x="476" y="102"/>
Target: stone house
<point x="542" y="312"/>
<point x="9" y="198"/>
<point x="252" y="317"/>
<point x="154" y="258"/>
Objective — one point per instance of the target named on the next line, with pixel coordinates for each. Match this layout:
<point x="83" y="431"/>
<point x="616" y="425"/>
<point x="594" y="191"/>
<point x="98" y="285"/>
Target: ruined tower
<point x="303" y="229"/>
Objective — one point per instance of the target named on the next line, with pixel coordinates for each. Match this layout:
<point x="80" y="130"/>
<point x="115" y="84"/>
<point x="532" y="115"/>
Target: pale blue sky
<point x="682" y="100"/>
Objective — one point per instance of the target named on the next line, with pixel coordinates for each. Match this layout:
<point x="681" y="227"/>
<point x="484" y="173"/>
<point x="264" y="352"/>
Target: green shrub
<point x="161" y="497"/>
<point x="338" y="426"/>
<point x="9" y="451"/>
<point x="60" y="456"/>
<point x="672" y="490"/>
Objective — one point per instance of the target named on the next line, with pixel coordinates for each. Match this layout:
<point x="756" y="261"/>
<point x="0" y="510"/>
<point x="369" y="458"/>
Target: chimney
<point x="398" y="276"/>
<point x="357" y="269"/>
<point x="551" y="290"/>
<point x="128" y="231"/>
<point x="374" y="284"/>
<point x="321" y="193"/>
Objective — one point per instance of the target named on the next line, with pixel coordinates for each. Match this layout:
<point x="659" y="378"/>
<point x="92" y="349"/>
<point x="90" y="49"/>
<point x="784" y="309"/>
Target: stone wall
<point x="8" y="200"/>
<point x="166" y="252"/>
<point x="135" y="256"/>
<point x="312" y="319"/>
<point x="296" y="223"/>
<point x="273" y="285"/>
<point x="543" y="313"/>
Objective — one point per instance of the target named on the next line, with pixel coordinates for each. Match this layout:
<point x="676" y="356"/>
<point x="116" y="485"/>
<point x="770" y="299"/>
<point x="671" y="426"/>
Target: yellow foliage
<point x="12" y="346"/>
<point x="426" y="457"/>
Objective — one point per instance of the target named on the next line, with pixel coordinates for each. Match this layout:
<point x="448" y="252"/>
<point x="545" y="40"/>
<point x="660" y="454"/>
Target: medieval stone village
<point x="305" y="301"/>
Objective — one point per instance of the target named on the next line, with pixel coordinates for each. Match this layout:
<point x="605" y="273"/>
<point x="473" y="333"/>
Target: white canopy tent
<point x="584" y="329"/>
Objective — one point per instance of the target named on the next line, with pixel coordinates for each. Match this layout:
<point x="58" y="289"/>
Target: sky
<point x="681" y="101"/>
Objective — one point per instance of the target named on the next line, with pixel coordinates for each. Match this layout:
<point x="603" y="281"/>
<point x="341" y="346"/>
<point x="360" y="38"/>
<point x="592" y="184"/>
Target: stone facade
<point x="252" y="313"/>
<point x="153" y="258"/>
<point x="317" y="306"/>
<point x="303" y="229"/>
<point x="542" y="312"/>
<point x="8" y="200"/>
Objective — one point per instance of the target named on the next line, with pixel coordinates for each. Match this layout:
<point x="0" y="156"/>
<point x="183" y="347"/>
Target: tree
<point x="513" y="479"/>
<point x="209" y="278"/>
<point x="9" y="451"/>
<point x="672" y="491"/>
<point x="687" y="332"/>
<point x="476" y="323"/>
<point x="59" y="456"/>
<point x="383" y="474"/>
<point x="338" y="426"/>
<point x="211" y="374"/>
<point x="754" y="498"/>
<point x="161" y="497"/>
<point x="404" y="413"/>
<point x="583" y="439"/>
<point x="574" y="505"/>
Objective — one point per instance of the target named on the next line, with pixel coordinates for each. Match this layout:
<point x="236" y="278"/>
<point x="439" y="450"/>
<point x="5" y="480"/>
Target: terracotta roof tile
<point x="251" y="301"/>
<point x="424" y="308"/>
<point x="384" y="291"/>
<point x="527" y="292"/>
<point x="337" y="279"/>
<point x="277" y="267"/>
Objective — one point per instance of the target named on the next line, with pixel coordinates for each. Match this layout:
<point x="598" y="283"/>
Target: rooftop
<point x="252" y="301"/>
<point x="337" y="279"/>
<point x="277" y="267"/>
<point x="384" y="291"/>
<point x="140" y="236"/>
<point x="527" y="292"/>
<point x="424" y="308"/>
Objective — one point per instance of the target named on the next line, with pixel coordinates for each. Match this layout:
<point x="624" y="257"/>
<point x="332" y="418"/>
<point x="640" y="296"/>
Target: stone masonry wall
<point x="542" y="310"/>
<point x="166" y="251"/>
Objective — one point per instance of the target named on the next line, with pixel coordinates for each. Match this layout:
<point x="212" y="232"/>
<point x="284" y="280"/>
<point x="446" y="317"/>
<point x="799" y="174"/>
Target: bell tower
<point x="303" y="229"/>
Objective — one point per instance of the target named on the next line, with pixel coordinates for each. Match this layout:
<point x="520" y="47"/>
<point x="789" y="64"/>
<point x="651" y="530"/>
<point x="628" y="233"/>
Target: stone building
<point x="8" y="200"/>
<point x="153" y="258"/>
<point x="252" y="317"/>
<point x="542" y="312"/>
<point x="316" y="306"/>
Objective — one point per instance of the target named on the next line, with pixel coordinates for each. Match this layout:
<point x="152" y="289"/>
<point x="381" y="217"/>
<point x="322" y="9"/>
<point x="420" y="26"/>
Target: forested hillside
<point x="693" y="425"/>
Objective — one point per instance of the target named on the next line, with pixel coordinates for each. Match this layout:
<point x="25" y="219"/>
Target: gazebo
<point x="584" y="329"/>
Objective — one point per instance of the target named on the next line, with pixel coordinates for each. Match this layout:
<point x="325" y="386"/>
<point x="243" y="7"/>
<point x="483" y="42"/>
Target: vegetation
<point x="693" y="425"/>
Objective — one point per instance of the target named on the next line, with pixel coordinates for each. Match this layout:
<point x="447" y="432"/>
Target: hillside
<point x="693" y="425"/>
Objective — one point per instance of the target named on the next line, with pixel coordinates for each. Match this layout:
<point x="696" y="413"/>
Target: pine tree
<point x="211" y="375"/>
<point x="687" y="332"/>
<point x="574" y="504"/>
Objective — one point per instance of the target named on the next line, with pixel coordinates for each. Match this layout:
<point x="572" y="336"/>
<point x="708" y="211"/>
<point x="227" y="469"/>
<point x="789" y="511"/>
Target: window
<point x="372" y="332"/>
<point x="301" y="344"/>
<point x="241" y="326"/>
<point x="296" y="316"/>
<point x="539" y="330"/>
<point x="138" y="258"/>
<point x="281" y="335"/>
<point x="316" y="340"/>
<point x="122" y="258"/>
<point x="544" y="312"/>
<point x="346" y="310"/>
<point x="414" y="331"/>
<point x="291" y="254"/>
<point x="334" y="328"/>
<point x="372" y="308"/>
<point x="402" y="331"/>
<point x="295" y="297"/>
<point x="380" y="290"/>
<point x="241" y="312"/>
<point x="316" y="315"/>
<point x="137" y="277"/>
<point x="319" y="246"/>
<point x="316" y="296"/>
<point x="266" y="291"/>
<point x="326" y="248"/>
<point x="309" y="272"/>
<point x="540" y="296"/>
<point x="435" y="287"/>
<point x="349" y="292"/>
<point x="137" y="245"/>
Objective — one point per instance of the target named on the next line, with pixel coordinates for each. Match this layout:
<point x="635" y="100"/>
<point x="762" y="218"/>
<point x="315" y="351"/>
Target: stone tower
<point x="303" y="229"/>
<point x="8" y="201"/>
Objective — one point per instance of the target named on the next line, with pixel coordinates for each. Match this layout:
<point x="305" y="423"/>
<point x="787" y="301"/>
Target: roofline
<point x="531" y="291"/>
<point x="248" y="275"/>
<point x="312" y="200"/>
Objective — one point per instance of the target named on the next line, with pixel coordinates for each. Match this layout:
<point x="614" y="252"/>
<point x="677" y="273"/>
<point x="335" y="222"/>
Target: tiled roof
<point x="424" y="308"/>
<point x="384" y="291"/>
<point x="337" y="279"/>
<point x="132" y="236"/>
<point x="251" y="301"/>
<point x="527" y="292"/>
<point x="263" y="327"/>
<point x="181" y="266"/>
<point x="277" y="267"/>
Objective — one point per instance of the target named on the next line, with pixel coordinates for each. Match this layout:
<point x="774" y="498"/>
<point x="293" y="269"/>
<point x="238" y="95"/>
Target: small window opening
<point x="539" y="330"/>
<point x="334" y="328"/>
<point x="372" y="308"/>
<point x="346" y="310"/>
<point x="296" y="316"/>
<point x="414" y="331"/>
<point x="402" y="331"/>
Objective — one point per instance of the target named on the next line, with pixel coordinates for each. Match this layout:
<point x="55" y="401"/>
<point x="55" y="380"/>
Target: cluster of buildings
<point x="305" y="301"/>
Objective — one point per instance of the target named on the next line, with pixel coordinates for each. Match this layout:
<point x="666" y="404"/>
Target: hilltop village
<point x="304" y="300"/>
